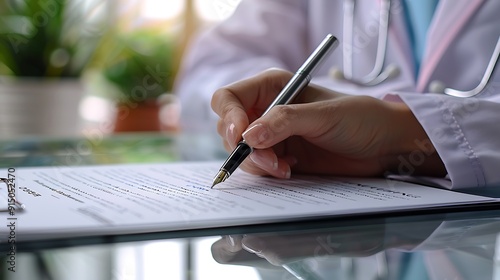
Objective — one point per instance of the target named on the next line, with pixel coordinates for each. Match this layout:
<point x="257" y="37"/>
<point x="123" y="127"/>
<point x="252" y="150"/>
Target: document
<point x="63" y="202"/>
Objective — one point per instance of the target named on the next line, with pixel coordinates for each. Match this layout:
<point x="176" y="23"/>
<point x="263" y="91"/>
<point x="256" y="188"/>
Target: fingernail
<point x="231" y="137"/>
<point x="288" y="173"/>
<point x="256" y="134"/>
<point x="230" y="241"/>
<point x="264" y="162"/>
<point x="251" y="250"/>
<point x="233" y="243"/>
<point x="254" y="245"/>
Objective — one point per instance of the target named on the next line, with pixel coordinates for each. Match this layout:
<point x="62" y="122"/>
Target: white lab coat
<point x="281" y="33"/>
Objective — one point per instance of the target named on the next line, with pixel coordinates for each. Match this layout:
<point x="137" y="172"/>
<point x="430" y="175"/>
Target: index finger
<point x="242" y="102"/>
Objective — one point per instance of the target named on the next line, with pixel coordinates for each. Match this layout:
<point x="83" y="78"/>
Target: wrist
<point x="411" y="152"/>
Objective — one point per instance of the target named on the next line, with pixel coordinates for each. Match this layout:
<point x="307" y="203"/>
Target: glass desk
<point x="460" y="245"/>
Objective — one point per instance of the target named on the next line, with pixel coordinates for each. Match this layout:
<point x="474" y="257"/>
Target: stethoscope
<point x="380" y="74"/>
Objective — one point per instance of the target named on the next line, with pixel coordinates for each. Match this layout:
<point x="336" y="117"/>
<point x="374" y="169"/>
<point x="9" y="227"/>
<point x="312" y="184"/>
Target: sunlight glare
<point x="215" y="10"/>
<point x="162" y="9"/>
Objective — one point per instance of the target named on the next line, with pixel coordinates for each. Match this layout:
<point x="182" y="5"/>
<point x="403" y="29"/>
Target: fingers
<point x="233" y="119"/>
<point x="259" y="247"/>
<point x="228" y="250"/>
<point x="310" y="120"/>
<point x="281" y="249"/>
<point x="267" y="161"/>
<point x="240" y="103"/>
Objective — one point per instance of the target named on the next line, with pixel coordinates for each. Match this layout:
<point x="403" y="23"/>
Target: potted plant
<point x="45" y="47"/>
<point x="141" y="68"/>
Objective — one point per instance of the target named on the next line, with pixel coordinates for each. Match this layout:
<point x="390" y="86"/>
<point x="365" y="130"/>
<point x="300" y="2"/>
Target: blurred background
<point x="91" y="68"/>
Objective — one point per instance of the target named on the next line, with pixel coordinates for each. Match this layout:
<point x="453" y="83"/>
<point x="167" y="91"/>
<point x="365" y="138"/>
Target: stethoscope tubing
<point x="378" y="74"/>
<point x="490" y="69"/>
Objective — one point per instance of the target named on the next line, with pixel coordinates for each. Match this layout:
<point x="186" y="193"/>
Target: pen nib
<point x="221" y="176"/>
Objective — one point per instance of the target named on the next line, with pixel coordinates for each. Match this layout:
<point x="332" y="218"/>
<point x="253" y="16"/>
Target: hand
<point x="229" y="250"/>
<point x="283" y="248"/>
<point x="323" y="132"/>
<point x="347" y="240"/>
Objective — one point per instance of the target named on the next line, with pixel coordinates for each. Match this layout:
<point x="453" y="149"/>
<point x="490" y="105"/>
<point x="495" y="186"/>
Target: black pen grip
<point x="239" y="154"/>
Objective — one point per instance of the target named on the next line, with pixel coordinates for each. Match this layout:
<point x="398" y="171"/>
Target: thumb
<point x="307" y="120"/>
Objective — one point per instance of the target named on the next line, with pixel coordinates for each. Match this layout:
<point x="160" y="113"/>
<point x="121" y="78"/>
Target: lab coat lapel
<point x="450" y="18"/>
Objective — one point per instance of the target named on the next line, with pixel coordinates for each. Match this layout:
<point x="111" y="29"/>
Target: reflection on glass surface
<point x="206" y="268"/>
<point x="390" y="249"/>
<point x="150" y="260"/>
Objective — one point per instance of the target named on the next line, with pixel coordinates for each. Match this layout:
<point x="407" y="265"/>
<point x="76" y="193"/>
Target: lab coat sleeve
<point x="465" y="133"/>
<point x="256" y="37"/>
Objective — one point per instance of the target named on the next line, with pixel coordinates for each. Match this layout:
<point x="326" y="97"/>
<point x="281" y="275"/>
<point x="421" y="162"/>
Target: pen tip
<point x="221" y="176"/>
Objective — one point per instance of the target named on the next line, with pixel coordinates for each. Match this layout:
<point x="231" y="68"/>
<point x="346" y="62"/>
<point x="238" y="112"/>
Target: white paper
<point x="121" y="199"/>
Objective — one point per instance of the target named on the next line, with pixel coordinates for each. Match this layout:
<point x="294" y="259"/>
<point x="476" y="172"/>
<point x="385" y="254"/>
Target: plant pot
<point x="142" y="116"/>
<point x="38" y="106"/>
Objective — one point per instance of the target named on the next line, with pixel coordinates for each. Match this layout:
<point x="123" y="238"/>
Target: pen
<point x="296" y="84"/>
